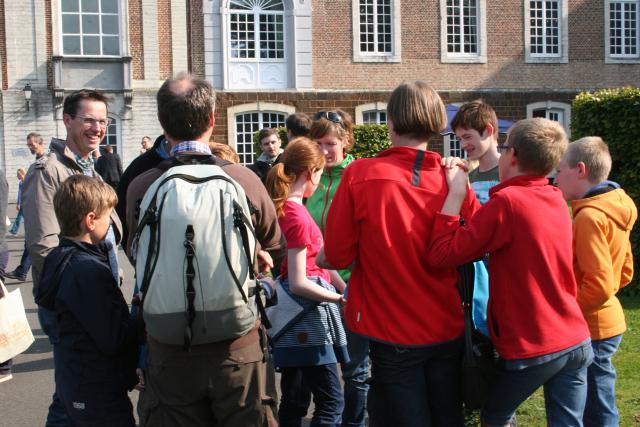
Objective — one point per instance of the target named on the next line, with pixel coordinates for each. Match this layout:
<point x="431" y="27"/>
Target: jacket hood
<point x="57" y="261"/>
<point x="615" y="204"/>
<point x="264" y="158"/>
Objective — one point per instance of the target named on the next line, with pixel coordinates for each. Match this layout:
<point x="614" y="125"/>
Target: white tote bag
<point x="15" y="333"/>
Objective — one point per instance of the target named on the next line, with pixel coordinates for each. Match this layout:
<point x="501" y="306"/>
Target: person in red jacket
<point x="533" y="316"/>
<point x="378" y="219"/>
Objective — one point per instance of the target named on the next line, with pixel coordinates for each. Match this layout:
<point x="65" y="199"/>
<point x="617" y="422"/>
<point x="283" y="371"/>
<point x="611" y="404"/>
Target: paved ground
<point x="24" y="399"/>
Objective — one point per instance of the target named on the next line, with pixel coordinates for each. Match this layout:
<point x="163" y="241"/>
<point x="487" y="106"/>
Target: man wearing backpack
<point x="199" y="383"/>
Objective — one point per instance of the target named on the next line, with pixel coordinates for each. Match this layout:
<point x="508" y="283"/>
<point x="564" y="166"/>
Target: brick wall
<point x="333" y="66"/>
<point x="136" y="31"/>
<point x="196" y="38"/>
<point x="164" y="38"/>
<point x="49" y="41"/>
<point x="3" y="49"/>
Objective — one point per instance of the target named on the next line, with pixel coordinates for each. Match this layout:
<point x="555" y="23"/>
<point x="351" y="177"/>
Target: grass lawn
<point x="627" y="362"/>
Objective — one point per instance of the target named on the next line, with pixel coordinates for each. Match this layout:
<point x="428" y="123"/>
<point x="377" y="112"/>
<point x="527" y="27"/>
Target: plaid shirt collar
<point x="191" y="146"/>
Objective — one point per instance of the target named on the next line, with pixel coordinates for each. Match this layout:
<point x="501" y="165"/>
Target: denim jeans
<point x="415" y="387"/>
<point x="565" y="389"/>
<point x="355" y="374"/>
<point x="16" y="224"/>
<point x="25" y="263"/>
<point x="57" y="416"/>
<point x="324" y="382"/>
<point x="601" y="410"/>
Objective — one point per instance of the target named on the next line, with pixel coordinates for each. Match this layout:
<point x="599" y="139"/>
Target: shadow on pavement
<point x="33" y="366"/>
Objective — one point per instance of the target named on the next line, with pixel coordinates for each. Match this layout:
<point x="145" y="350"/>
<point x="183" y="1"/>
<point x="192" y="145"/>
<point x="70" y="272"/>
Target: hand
<point x="265" y="262"/>
<point x="451" y="162"/>
<point x="141" y="385"/>
<point x="457" y="180"/>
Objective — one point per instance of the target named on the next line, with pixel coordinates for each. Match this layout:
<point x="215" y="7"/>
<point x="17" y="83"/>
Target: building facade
<point x="269" y="58"/>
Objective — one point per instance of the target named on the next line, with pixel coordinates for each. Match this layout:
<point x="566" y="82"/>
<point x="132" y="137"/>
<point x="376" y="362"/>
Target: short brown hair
<point x="594" y="153"/>
<point x="298" y="124"/>
<point x="36" y="136"/>
<point x="343" y="130"/>
<point x="416" y="110"/>
<point x="77" y="196"/>
<point x="267" y="132"/>
<point x="184" y="109"/>
<point x="71" y="102"/>
<point x="475" y="115"/>
<point x="539" y="145"/>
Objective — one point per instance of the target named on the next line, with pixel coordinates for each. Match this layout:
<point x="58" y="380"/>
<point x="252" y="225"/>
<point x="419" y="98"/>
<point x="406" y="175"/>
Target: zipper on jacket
<point x="326" y="201"/>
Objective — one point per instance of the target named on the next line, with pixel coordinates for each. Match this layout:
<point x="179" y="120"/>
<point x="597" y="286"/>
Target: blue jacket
<point x="96" y="347"/>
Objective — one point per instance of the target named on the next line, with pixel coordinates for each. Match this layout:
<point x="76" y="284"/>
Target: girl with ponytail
<point x="314" y="342"/>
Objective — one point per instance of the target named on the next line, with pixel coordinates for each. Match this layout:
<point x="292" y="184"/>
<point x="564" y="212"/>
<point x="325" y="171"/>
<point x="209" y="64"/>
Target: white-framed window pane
<point x="375" y="26"/>
<point x="374" y="117"/>
<point x="69" y="5"/>
<point x="271" y="36"/>
<point x="256" y="4"/>
<point x="90" y="27"/>
<point x="71" y="45"/>
<point x="247" y="124"/>
<point x="555" y="114"/>
<point x="452" y="147"/>
<point x="90" y="6"/>
<point x="242" y="36"/>
<point x="623" y="28"/>
<point x="544" y="27"/>
<point x="111" y="136"/>
<point x="462" y="26"/>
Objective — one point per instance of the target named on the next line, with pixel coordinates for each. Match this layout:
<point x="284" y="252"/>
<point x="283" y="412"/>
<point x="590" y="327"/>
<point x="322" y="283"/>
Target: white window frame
<point x="122" y="31"/>
<point x="395" y="54"/>
<point x="259" y="107"/>
<point x="257" y="13"/>
<point x="562" y="57"/>
<point x="551" y="106"/>
<point x="373" y="106"/>
<point x="117" y="121"/>
<point x="620" y="58"/>
<point x="480" y="57"/>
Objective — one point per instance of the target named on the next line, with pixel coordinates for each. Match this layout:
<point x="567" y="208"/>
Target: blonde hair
<point x="539" y="145"/>
<point x="21" y="171"/>
<point x="224" y="151"/>
<point x="344" y="130"/>
<point x="79" y="195"/>
<point x="594" y="153"/>
<point x="301" y="155"/>
<point x="416" y="110"/>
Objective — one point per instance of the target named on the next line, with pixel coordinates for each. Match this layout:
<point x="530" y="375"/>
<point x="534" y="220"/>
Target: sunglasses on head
<point x="332" y="116"/>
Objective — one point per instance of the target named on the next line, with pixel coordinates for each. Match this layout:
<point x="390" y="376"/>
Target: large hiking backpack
<point x="195" y="248"/>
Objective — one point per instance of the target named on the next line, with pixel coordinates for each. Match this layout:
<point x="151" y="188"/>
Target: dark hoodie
<point x="96" y="350"/>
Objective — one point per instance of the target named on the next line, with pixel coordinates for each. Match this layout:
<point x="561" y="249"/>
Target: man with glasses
<point x="86" y="121"/>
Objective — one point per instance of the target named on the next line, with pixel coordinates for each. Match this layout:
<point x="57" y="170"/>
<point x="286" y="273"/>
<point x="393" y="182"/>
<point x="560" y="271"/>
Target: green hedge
<point x="614" y="115"/>
<point x="370" y="140"/>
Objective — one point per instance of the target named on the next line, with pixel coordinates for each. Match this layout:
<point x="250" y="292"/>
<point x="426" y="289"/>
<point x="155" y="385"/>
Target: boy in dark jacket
<point x="96" y="351"/>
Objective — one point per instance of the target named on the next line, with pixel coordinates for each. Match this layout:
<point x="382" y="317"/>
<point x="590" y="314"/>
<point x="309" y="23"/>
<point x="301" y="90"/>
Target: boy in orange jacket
<point x="603" y="216"/>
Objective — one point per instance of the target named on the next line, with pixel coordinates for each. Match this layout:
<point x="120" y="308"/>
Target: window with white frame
<point x="374" y="117"/>
<point x="556" y="111"/>
<point x="623" y="30"/>
<point x="111" y="136"/>
<point x="376" y="30"/>
<point x="247" y="124"/>
<point x="256" y="29"/>
<point x="463" y="32"/>
<point x="545" y="31"/>
<point x="90" y="27"/>
<point x="453" y="147"/>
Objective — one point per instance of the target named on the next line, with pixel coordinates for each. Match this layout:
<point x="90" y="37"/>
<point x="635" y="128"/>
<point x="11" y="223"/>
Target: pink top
<point x="302" y="232"/>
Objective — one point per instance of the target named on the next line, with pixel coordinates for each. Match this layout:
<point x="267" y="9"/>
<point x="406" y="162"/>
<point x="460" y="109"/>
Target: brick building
<point x="268" y="58"/>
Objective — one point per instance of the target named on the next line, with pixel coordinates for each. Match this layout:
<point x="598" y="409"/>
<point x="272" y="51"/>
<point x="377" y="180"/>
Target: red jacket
<point x="526" y="228"/>
<point x="381" y="218"/>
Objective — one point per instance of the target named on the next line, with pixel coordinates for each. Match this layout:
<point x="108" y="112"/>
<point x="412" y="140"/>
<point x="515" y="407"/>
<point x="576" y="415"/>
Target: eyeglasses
<point x="505" y="147"/>
<point x="90" y="121"/>
<point x="332" y="116"/>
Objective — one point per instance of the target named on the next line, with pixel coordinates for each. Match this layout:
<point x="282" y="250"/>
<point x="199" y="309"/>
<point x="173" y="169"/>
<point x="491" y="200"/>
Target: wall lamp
<point x="27" y="94"/>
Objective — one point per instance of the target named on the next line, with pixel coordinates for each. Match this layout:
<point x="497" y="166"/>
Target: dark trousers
<point x="415" y="387"/>
<point x="25" y="263"/>
<point x="324" y="383"/>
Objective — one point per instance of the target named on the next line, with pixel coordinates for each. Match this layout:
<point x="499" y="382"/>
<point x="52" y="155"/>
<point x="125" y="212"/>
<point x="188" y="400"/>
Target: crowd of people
<point x="358" y="256"/>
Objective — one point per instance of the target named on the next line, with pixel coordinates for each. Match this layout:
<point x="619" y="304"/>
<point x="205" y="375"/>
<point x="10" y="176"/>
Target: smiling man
<point x="86" y="121"/>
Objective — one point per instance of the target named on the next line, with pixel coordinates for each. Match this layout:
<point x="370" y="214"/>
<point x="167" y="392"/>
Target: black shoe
<point x="16" y="276"/>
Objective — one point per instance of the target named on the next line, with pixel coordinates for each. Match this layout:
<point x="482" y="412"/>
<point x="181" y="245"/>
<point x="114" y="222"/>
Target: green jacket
<point x="320" y="201"/>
